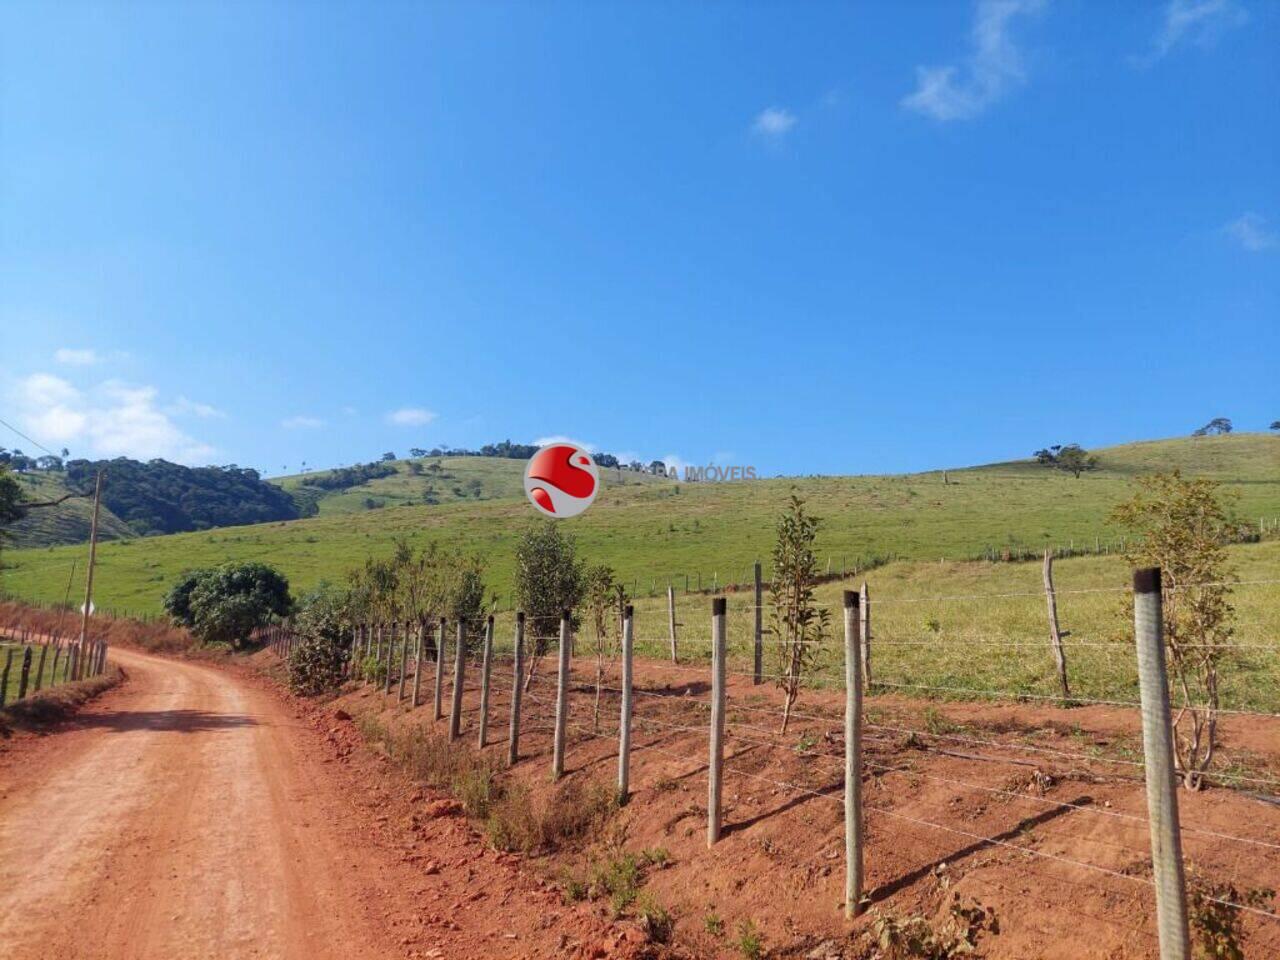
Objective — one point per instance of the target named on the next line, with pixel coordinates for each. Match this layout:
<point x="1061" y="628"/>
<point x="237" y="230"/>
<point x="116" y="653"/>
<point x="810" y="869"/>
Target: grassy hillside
<point x="449" y="480"/>
<point x="654" y="531"/>
<point x="68" y="522"/>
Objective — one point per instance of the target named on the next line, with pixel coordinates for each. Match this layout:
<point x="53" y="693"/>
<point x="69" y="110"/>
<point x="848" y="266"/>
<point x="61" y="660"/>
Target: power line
<point x="26" y="438"/>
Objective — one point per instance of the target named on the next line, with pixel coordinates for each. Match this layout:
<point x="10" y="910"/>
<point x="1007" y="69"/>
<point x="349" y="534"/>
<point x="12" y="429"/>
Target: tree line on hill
<point x="525" y="451"/>
<point x="162" y="497"/>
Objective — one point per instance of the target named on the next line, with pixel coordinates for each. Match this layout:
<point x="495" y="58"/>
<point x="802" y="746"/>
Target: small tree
<point x="548" y="579"/>
<point x="323" y="637"/>
<point x="226" y="604"/>
<point x="1275" y="425"/>
<point x="799" y="624"/>
<point x="602" y="592"/>
<point x="1181" y="527"/>
<point x="1072" y="458"/>
<point x="1218" y="425"/>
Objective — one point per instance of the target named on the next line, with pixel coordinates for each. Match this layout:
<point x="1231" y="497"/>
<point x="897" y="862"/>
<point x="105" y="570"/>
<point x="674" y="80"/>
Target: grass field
<point x="656" y="531"/>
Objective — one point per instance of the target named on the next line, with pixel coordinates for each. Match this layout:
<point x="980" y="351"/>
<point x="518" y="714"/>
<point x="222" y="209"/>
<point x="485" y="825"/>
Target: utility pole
<point x="93" y="553"/>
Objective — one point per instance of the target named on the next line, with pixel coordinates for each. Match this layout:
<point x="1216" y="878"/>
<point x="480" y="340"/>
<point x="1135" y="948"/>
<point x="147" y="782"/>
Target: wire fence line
<point x="576" y="699"/>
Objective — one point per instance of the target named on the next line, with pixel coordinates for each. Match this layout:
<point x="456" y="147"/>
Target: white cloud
<point x="183" y="407"/>
<point x="302" y="422"/>
<point x="76" y="358"/>
<point x="1250" y="231"/>
<point x="773" y="122"/>
<point x="994" y="65"/>
<point x="676" y="461"/>
<point x="113" y="419"/>
<point x="1192" y="21"/>
<point x="410" y="417"/>
<point x="561" y="438"/>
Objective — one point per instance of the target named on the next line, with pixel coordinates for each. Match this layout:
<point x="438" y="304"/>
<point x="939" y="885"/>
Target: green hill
<point x="68" y="522"/>
<point x="654" y="531"/>
<point x="429" y="481"/>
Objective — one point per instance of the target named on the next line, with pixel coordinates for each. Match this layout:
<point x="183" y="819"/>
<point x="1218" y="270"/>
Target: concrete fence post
<point x="562" y="698"/>
<point x="417" y="665"/>
<point x="864" y="632"/>
<point x="517" y="687"/>
<point x="715" y="765"/>
<point x="853" y="653"/>
<point x="758" y="633"/>
<point x="486" y="665"/>
<point x="438" y="692"/>
<point x="671" y="621"/>
<point x="459" y="678"/>
<point x="624" y="720"/>
<point x="1157" y="748"/>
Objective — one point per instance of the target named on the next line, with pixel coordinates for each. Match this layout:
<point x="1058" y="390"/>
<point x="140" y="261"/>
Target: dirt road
<point x="178" y="822"/>
<point x="192" y="814"/>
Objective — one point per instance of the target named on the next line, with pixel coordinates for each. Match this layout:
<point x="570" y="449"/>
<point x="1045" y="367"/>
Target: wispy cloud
<point x="86" y="356"/>
<point x="1192" y="21"/>
<point x="1251" y="232"/>
<point x="964" y="91"/>
<point x="302" y="422"/>
<point x="410" y="417"/>
<point x="73" y="357"/>
<point x="110" y="420"/>
<point x="184" y="407"/>
<point x="773" y="122"/>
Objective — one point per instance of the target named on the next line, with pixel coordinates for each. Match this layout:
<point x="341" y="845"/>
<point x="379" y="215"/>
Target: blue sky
<point x="812" y="238"/>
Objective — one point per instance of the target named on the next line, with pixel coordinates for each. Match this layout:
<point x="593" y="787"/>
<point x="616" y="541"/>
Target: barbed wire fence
<point x="643" y="698"/>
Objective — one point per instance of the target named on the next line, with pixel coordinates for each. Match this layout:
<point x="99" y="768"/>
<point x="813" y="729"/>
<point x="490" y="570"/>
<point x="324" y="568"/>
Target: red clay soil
<point x="192" y="813"/>
<point x="198" y="812"/>
<point x="1004" y="804"/>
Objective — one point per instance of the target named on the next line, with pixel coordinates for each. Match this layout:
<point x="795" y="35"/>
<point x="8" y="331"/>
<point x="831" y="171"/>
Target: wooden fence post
<point x="404" y="662"/>
<point x="26" y="673"/>
<point x="417" y="665"/>
<point x="1055" y="636"/>
<point x="485" y="666"/>
<point x="853" y="652"/>
<point x="671" y="621"/>
<point x="459" y="676"/>
<point x="624" y="720"/>
<point x="864" y="632"/>
<point x="715" y="765"/>
<point x="758" y="635"/>
<point x="391" y="646"/>
<point x="438" y="692"/>
<point x="1157" y="749"/>
<point x="562" y="699"/>
<point x="57" y="655"/>
<point x="44" y="652"/>
<point x="517" y="670"/>
<point x="4" y="677"/>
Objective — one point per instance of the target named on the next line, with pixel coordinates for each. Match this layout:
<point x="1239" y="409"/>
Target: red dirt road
<point x="193" y="814"/>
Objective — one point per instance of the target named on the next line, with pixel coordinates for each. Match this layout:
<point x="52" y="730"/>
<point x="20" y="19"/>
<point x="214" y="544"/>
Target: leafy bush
<point x="320" y="651"/>
<point x="226" y="604"/>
